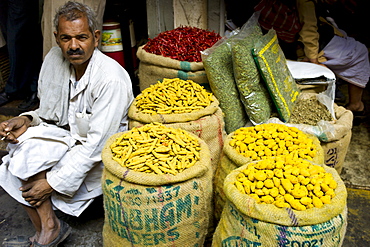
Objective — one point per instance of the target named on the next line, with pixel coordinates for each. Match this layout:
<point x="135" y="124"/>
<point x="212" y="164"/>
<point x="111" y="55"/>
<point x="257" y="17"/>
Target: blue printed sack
<point x="145" y="209"/>
<point x="244" y="222"/>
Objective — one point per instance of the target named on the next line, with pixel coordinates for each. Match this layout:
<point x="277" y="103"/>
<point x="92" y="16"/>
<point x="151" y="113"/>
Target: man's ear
<point x="97" y="37"/>
<point x="56" y="37"/>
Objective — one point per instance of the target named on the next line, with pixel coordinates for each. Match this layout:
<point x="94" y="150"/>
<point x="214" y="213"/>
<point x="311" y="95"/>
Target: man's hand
<point x="36" y="192"/>
<point x="310" y="60"/>
<point x="313" y="60"/>
<point x="11" y="129"/>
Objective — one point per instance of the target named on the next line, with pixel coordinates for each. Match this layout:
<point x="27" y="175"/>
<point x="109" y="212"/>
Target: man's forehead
<point x="77" y="25"/>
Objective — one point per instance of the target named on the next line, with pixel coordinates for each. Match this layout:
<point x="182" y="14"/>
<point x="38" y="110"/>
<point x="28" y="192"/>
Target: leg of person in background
<point x="355" y="103"/>
<point x="20" y="24"/>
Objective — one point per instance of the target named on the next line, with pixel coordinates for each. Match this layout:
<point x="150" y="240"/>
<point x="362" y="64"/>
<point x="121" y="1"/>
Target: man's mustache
<point x="75" y="52"/>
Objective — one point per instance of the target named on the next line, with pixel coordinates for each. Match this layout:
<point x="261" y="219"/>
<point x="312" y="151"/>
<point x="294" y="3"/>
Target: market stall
<point x="275" y="143"/>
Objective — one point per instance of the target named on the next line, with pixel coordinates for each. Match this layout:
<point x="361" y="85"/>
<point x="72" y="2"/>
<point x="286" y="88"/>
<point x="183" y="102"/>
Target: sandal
<point x="65" y="230"/>
<point x="359" y="114"/>
<point x="18" y="241"/>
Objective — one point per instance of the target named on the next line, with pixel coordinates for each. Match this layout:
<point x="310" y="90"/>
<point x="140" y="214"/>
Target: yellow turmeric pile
<point x="287" y="182"/>
<point x="268" y="140"/>
<point x="155" y="148"/>
<point x="173" y="96"/>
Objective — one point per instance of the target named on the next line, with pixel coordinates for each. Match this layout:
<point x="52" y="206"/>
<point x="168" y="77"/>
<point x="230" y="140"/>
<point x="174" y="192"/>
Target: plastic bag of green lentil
<point x="253" y="92"/>
<point x="273" y="67"/>
<point x="218" y="65"/>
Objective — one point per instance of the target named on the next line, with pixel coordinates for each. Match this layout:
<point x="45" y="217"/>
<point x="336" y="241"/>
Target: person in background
<point x="308" y="26"/>
<point x="54" y="160"/>
<point x="323" y="42"/>
<point x="19" y="20"/>
<point x="49" y="8"/>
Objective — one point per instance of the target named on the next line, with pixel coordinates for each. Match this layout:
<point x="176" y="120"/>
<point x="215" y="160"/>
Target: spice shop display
<point x="156" y="149"/>
<point x="310" y="111"/>
<point x="173" y="96"/>
<point x="175" y="54"/>
<point x="182" y="43"/>
<point x="287" y="183"/>
<point x="333" y="127"/>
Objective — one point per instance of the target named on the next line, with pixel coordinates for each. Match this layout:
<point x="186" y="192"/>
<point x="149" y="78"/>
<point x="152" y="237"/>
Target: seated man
<point x="54" y="159"/>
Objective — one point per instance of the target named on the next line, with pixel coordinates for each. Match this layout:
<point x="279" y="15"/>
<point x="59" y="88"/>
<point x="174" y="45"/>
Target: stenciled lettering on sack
<point x="151" y="219"/>
<point x="144" y="239"/>
<point x="247" y="225"/>
<point x="237" y="241"/>
<point x="315" y="233"/>
<point x="283" y="242"/>
<point x="159" y="196"/>
<point x="125" y="220"/>
<point x="332" y="159"/>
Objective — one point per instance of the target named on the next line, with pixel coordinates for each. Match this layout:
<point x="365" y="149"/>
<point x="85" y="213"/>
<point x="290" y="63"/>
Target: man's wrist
<point x="33" y="117"/>
<point x="28" y="119"/>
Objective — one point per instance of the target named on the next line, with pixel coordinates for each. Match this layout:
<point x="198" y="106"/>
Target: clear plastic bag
<point x="218" y="65"/>
<point x="253" y="92"/>
<point x="272" y="65"/>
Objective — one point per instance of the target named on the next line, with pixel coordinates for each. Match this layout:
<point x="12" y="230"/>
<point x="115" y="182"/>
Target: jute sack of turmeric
<point x="181" y="104"/>
<point x="153" y="68"/>
<point x="156" y="191"/>
<point x="246" y="221"/>
<point x="260" y="142"/>
<point x="335" y="136"/>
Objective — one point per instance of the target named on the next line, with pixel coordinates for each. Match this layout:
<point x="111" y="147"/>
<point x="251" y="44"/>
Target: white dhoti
<point x="39" y="149"/>
<point x="348" y="59"/>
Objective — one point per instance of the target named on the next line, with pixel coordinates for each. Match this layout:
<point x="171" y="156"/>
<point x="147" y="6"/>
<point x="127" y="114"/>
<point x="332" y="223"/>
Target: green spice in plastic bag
<point x="273" y="67"/>
<point x="253" y="91"/>
<point x="218" y="65"/>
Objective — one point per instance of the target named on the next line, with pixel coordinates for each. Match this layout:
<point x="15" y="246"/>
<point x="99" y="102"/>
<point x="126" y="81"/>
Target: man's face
<point x="76" y="41"/>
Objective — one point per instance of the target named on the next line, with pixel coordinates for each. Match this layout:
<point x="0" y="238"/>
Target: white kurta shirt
<point x="97" y="108"/>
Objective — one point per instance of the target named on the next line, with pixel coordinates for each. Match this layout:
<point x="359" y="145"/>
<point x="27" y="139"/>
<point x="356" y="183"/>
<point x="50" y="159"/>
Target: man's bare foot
<point x="48" y="235"/>
<point x="35" y="237"/>
<point x="356" y="107"/>
<point x="63" y="231"/>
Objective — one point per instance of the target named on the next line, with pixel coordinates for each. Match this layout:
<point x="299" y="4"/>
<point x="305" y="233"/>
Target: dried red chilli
<point x="182" y="43"/>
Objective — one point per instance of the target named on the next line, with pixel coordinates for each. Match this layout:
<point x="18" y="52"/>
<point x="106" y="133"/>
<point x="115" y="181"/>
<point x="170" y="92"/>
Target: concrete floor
<point x="87" y="229"/>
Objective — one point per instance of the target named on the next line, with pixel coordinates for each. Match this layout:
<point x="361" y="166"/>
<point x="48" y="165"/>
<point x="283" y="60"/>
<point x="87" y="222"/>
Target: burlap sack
<point x="207" y="124"/>
<point x="247" y="223"/>
<point x="335" y="151"/>
<point x="144" y="209"/>
<point x="153" y="68"/>
<point x="336" y="146"/>
<point x="231" y="159"/>
<point x="334" y="136"/>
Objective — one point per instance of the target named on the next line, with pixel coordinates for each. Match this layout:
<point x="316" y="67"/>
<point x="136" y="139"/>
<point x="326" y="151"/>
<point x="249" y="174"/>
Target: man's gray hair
<point x="72" y="10"/>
